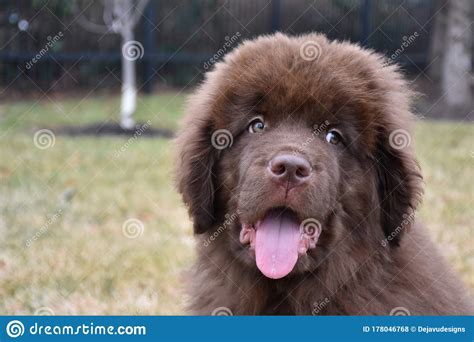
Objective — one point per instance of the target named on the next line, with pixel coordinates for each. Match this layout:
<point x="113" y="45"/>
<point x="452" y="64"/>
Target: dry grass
<point x="76" y="195"/>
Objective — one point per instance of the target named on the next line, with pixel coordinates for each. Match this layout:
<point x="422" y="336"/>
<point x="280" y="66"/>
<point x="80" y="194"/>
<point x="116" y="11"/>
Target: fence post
<point x="366" y="19"/>
<point x="149" y="47"/>
<point x="276" y="10"/>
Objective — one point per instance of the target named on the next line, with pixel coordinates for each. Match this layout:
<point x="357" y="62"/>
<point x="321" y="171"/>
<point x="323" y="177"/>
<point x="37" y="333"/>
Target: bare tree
<point x="121" y="17"/>
<point x="456" y="69"/>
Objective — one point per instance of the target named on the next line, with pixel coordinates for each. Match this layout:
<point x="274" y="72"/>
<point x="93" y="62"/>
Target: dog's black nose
<point x="289" y="170"/>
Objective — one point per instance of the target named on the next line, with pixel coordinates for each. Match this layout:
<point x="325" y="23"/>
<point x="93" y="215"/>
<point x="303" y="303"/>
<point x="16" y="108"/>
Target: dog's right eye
<point x="256" y="125"/>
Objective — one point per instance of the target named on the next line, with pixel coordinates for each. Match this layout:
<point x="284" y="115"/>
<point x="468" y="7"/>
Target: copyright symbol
<point x="413" y="329"/>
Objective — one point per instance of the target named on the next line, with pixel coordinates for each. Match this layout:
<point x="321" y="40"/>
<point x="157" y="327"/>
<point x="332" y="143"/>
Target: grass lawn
<point x="62" y="209"/>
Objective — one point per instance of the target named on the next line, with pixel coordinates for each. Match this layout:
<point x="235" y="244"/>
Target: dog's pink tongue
<point x="276" y="245"/>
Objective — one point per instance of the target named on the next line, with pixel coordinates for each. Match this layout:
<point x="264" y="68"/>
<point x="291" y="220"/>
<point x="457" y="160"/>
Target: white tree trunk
<point x="455" y="80"/>
<point x="438" y="40"/>
<point x="129" y="88"/>
<point x="121" y="16"/>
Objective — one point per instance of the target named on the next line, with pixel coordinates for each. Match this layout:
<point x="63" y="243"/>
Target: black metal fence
<point x="180" y="37"/>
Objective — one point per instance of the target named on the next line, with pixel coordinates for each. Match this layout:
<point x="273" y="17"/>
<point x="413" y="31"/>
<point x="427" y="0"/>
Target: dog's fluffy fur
<point x="371" y="256"/>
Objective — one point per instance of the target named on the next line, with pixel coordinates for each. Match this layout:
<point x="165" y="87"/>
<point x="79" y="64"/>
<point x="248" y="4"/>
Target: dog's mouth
<point x="278" y="239"/>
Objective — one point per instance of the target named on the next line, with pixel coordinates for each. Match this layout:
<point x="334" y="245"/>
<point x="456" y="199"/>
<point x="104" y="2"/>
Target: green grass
<point x="77" y="194"/>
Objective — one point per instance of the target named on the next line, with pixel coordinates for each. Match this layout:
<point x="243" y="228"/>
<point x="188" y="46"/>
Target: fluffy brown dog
<point x="295" y="164"/>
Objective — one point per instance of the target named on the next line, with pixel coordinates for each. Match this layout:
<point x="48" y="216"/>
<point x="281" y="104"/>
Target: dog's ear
<point x="399" y="182"/>
<point x="196" y="170"/>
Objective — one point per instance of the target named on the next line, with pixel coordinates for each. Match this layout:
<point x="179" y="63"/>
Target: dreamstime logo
<point x="229" y="42"/>
<point x="44" y="311"/>
<point x="138" y="132"/>
<point x="133" y="228"/>
<point x="44" y="228"/>
<point x="407" y="41"/>
<point x="317" y="130"/>
<point x="400" y="311"/>
<point x="310" y="50"/>
<point x="132" y="50"/>
<point x="44" y="139"/>
<point x="229" y="219"/>
<point x="15" y="329"/>
<point x="399" y="139"/>
<point x="319" y="306"/>
<point x="51" y="42"/>
<point x="407" y="219"/>
<point x="222" y="311"/>
<point x="222" y="139"/>
<point x="311" y="228"/>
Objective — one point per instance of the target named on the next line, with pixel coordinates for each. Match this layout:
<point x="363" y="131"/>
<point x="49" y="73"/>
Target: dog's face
<point x="299" y="152"/>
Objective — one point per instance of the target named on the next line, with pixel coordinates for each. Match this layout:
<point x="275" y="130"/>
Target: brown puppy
<point x="294" y="161"/>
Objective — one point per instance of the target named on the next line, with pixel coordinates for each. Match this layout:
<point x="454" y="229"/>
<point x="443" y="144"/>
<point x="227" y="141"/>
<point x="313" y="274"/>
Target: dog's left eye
<point x="333" y="137"/>
<point x="256" y="125"/>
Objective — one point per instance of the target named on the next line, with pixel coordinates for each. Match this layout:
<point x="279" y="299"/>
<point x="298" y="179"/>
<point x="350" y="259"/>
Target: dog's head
<point x="294" y="147"/>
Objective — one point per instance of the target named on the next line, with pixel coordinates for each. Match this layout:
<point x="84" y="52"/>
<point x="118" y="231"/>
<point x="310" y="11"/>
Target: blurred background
<point x="91" y="93"/>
